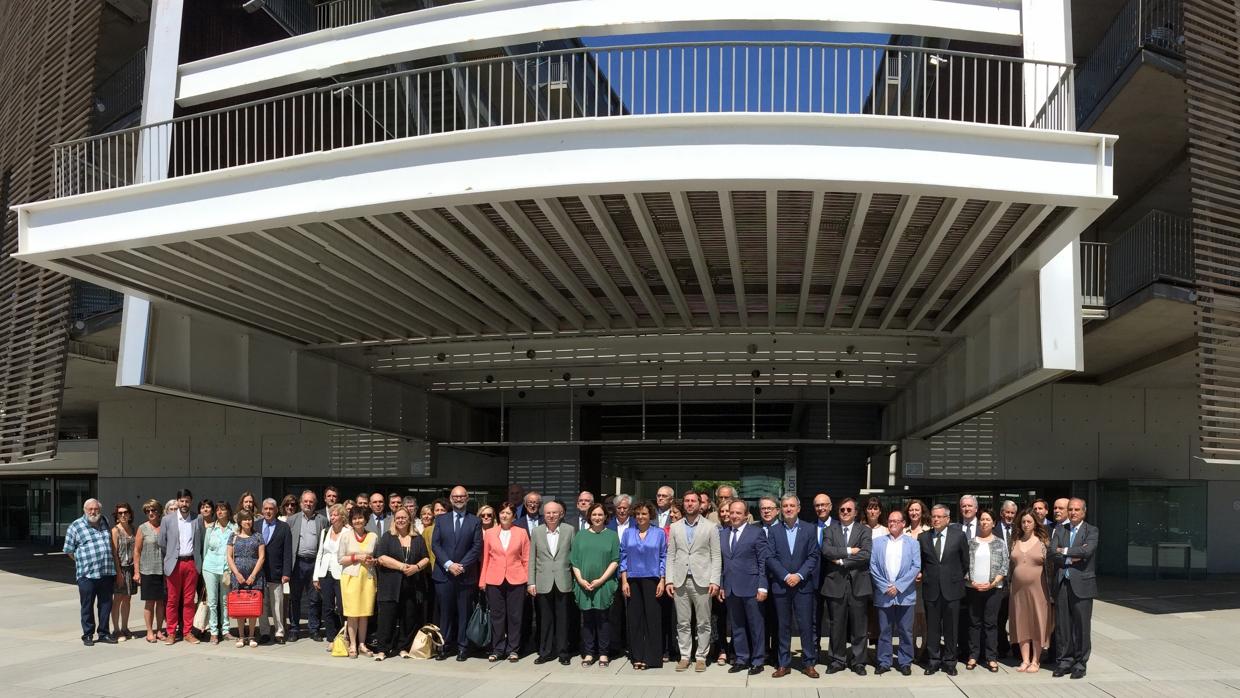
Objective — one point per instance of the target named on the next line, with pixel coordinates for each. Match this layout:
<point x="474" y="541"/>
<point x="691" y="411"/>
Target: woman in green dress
<point x="595" y="557"/>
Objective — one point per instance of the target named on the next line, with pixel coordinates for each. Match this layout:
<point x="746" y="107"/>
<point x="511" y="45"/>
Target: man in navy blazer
<point x="457" y="545"/>
<point x="277" y="570"/>
<point x="744" y="549"/>
<point x="792" y="560"/>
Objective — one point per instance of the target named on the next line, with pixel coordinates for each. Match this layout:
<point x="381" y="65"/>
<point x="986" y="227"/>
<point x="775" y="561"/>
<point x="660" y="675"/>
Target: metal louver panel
<point x="1212" y="33"/>
<point x="46" y="78"/>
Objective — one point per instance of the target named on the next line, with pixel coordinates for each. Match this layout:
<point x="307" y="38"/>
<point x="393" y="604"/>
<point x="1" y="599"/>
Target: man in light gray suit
<point x="1074" y="548"/>
<point x="692" y="579"/>
<point x="551" y="582"/>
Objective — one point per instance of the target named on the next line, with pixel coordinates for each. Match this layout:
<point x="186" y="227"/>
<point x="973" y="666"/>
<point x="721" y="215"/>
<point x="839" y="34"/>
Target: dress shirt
<point x="940" y="542"/>
<point x="622" y="527"/>
<point x="662" y="516"/>
<point x="847" y="528"/>
<point x="269" y="527"/>
<point x="505" y="535"/>
<point x="643" y="557"/>
<point x="790" y="532"/>
<point x="1067" y="571"/>
<point x="91" y="548"/>
<point x="821" y="528"/>
<point x="690" y="528"/>
<point x="553" y="540"/>
<point x="308" y="541"/>
<point x="969" y="528"/>
<point x="531" y="523"/>
<point x="185" y="534"/>
<point x="895" y="556"/>
<point x="458" y="517"/>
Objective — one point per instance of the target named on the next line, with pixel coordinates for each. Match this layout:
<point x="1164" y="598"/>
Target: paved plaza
<point x="1161" y="639"/>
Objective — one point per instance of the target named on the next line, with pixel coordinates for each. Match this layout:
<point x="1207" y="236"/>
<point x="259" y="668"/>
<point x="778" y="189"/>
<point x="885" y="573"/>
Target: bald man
<point x="457" y="546"/>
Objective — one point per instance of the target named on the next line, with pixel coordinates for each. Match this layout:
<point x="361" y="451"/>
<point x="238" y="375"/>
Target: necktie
<point x="968" y="531"/>
<point x="846" y="530"/>
<point x="456" y="523"/>
<point x="735" y="533"/>
<point x="1067" y="571"/>
<point x="821" y="527"/>
<point x="938" y="546"/>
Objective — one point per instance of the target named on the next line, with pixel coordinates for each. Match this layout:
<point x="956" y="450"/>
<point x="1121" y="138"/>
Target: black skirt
<point x="152" y="587"/>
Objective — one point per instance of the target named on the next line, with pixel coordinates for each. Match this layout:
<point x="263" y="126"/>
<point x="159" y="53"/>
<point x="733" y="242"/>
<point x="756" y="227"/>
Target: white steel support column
<point x="1026" y="334"/>
<point x="1046" y="35"/>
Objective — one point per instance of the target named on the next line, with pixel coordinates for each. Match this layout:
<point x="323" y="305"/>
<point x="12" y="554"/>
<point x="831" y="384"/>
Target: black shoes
<point x="565" y="661"/>
<point x="88" y="641"/>
<point x="835" y="669"/>
<point x="1059" y="671"/>
<point x="882" y="670"/>
<point x="930" y="671"/>
<point x="441" y="656"/>
<point x="951" y="670"/>
<point x="106" y="639"/>
<point x="755" y="670"/>
<point x="279" y="639"/>
<point x="317" y="636"/>
<point x="543" y="660"/>
<point x="859" y="670"/>
<point x="906" y="670"/>
<point x="1078" y="673"/>
<point x="737" y="668"/>
<point x="462" y="657"/>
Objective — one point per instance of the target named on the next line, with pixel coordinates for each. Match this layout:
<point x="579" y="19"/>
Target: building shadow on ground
<point x="38" y="562"/>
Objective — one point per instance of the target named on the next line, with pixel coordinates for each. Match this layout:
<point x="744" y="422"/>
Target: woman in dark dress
<point x="246" y="554"/>
<point x="403" y="561"/>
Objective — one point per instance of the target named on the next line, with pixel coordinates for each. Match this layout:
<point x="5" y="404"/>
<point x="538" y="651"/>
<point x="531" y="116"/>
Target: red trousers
<point x="181" y="585"/>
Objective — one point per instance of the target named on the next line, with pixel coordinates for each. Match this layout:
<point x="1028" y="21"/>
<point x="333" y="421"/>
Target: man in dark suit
<point x="792" y="563"/>
<point x="457" y="545"/>
<point x="1074" y="546"/>
<point x="944" y="559"/>
<point x="744" y="550"/>
<point x="847" y="585"/>
<point x="1005" y="530"/>
<point x="277" y="571"/>
<point x="768" y="515"/>
<point x="577" y="518"/>
<point x="822" y="617"/>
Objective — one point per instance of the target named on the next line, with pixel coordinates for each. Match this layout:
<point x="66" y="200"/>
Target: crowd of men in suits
<point x="737" y="588"/>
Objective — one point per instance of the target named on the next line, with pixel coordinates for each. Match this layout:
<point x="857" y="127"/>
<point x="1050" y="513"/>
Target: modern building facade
<point x="914" y="249"/>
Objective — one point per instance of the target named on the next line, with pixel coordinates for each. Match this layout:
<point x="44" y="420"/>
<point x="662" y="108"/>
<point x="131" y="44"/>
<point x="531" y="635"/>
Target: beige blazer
<point x="549" y="572"/>
<point x="702" y="558"/>
<point x="349" y="546"/>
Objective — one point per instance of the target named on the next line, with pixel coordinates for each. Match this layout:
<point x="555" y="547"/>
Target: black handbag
<point x="478" y="631"/>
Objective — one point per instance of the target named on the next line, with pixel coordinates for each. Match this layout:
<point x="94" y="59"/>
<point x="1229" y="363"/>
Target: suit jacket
<point x="850" y="578"/>
<point x="943" y="579"/>
<point x="700" y="558"/>
<point x="1080" y="559"/>
<point x="378" y="526"/>
<point x="294" y="527"/>
<point x="279" y="561"/>
<point x="744" y="565"/>
<point x="574" y="518"/>
<point x="170" y="541"/>
<point x="523" y="520"/>
<point x="549" y="572"/>
<point x="463" y="547"/>
<point x="910" y="566"/>
<point x="802" y="559"/>
<point x="499" y="565"/>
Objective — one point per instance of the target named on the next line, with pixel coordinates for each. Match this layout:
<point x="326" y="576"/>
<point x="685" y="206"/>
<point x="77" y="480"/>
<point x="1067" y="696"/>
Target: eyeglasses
<point x="124" y="512"/>
<point x="486" y="516"/>
<point x="846" y="510"/>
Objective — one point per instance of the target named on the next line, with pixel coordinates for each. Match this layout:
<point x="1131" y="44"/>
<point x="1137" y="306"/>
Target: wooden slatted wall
<point x="1212" y="38"/>
<point x="47" y="65"/>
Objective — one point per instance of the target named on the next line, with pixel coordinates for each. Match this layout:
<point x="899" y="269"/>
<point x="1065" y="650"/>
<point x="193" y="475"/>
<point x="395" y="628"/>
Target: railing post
<point x="1047" y="36"/>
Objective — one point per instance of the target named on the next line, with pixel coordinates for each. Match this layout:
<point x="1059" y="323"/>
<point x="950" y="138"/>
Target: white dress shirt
<point x="505" y="535"/>
<point x="622" y="527"/>
<point x="981" y="564"/>
<point x="553" y="540"/>
<point x="969" y="528"/>
<point x="185" y="530"/>
<point x="893" y="559"/>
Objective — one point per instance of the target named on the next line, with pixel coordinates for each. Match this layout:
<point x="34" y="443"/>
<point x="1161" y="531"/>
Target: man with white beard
<point x="89" y="544"/>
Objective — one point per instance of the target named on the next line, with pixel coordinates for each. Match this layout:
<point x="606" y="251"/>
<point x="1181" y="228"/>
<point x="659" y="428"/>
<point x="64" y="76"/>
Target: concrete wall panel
<point x="162" y="457"/>
<point x="119" y="418"/>
<point x="181" y="417"/>
<point x="1124" y="411"/>
<point x="215" y="457"/>
<point x="1140" y="455"/>
<point x="239" y="422"/>
<point x="137" y="490"/>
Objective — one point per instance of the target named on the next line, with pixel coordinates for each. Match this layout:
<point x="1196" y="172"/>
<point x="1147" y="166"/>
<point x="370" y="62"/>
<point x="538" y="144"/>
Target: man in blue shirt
<point x="88" y="543"/>
<point x="792" y="561"/>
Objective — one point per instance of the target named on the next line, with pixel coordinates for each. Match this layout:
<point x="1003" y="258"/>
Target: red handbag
<point x="245" y="603"/>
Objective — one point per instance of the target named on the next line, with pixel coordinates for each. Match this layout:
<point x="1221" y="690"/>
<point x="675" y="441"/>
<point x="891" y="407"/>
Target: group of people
<point x="693" y="580"/>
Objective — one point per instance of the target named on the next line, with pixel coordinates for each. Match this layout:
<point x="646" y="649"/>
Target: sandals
<point x="405" y="655"/>
<point x="1024" y="667"/>
<point x="514" y="658"/>
<point x="362" y="649"/>
<point x="1033" y="668"/>
<point x="151" y="638"/>
<point x="604" y="662"/>
<point x="587" y="661"/>
<point x="253" y="643"/>
<point x="971" y="665"/>
<point x="723" y="659"/>
<point x="352" y="654"/>
<point x="639" y="666"/>
<point x="240" y="643"/>
<point x="492" y="658"/>
<point x="380" y="657"/>
<point x="992" y="667"/>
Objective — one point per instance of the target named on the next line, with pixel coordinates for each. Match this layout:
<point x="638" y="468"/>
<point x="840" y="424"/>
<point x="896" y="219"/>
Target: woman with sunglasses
<point x="150" y="572"/>
<point x="486" y="514"/>
<point x="122" y="558"/>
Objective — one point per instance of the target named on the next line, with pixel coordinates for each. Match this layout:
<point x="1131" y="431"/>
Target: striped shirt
<point x="91" y="548"/>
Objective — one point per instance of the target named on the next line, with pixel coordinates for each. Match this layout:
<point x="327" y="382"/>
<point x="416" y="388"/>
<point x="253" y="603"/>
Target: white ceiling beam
<point x="772" y="253"/>
<point x="299" y="296"/>
<point x="576" y="242"/>
<point x="973" y="239"/>
<point x="419" y="246"/>
<point x="861" y="208"/>
<point x="436" y="226"/>
<point x="811" y="252"/>
<point x="947" y="214"/>
<point x="732" y="239"/>
<point x="1020" y="231"/>
<point x="680" y="200"/>
<point x="297" y="241"/>
<point x="268" y="256"/>
<point x="607" y="228"/>
<point x="419" y="272"/>
<point x="109" y="264"/>
<point x="374" y="267"/>
<point x="286" y="306"/>
<point x="891" y="240"/>
<point x="524" y="228"/>
<point x="641" y="216"/>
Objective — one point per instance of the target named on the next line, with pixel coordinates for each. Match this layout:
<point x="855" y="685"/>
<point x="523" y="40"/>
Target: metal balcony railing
<point x="1093" y="274"/>
<point x="120" y="94"/>
<point x="340" y="13"/>
<point x="1159" y="247"/>
<point x="805" y="78"/>
<point x="1156" y="25"/>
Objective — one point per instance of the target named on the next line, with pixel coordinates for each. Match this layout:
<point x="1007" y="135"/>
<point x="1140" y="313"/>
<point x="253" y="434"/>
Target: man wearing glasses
<point x="847" y="585"/>
<point x="579" y="519"/>
<point x="457" y="546"/>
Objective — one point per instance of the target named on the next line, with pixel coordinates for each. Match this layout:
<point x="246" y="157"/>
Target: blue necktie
<point x="456" y="526"/>
<point x="1067" y="572"/>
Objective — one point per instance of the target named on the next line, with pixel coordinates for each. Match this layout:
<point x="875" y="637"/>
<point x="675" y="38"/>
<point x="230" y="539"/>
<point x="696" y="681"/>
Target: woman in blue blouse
<point x="643" y="558"/>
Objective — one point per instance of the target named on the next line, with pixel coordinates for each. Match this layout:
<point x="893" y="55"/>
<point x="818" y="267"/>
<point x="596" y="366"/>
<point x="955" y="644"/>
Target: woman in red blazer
<point x="505" y="561"/>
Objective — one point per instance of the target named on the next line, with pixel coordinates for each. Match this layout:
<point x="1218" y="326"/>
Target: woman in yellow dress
<point x="357" y="579"/>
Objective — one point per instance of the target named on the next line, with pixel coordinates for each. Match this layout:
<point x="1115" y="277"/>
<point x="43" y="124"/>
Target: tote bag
<point x="478" y="632"/>
<point x="426" y="643"/>
<point x="245" y="603"/>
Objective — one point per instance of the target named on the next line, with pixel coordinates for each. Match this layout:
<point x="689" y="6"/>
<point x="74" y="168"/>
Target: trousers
<point x="273" y="609"/>
<point x="333" y="606"/>
<point x="96" y="593"/>
<point x="300" y="583"/>
<point x="692" y="602"/>
<point x="217" y="601"/>
<point x="181" y="585"/>
<point x="892" y="620"/>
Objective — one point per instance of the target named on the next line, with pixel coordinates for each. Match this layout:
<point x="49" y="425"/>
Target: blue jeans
<point x="892" y="619"/>
<point x="92" y="593"/>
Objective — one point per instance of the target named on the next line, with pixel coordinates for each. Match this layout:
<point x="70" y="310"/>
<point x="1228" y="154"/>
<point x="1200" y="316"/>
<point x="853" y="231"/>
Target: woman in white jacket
<point x="327" y="572"/>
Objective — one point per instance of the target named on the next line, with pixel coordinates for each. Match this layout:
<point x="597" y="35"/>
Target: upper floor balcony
<point x="1153" y="28"/>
